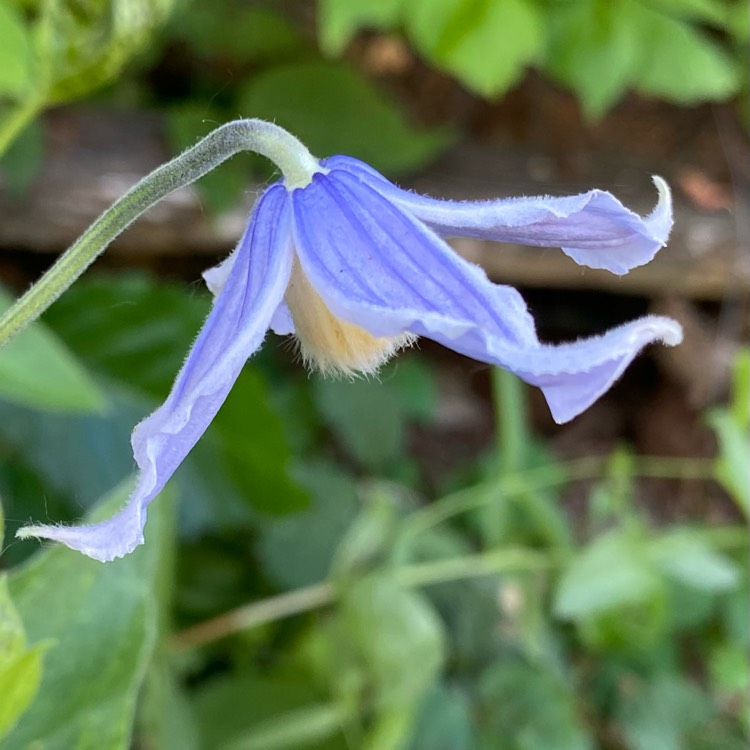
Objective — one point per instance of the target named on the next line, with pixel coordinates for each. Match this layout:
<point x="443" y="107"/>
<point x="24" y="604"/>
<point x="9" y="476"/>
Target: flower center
<point x="329" y="343"/>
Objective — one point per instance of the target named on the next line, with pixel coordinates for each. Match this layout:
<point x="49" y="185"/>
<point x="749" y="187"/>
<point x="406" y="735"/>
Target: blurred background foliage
<point x="296" y="63"/>
<point x="314" y="576"/>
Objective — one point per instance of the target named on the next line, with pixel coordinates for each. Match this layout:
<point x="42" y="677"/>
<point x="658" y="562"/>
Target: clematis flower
<point x="357" y="268"/>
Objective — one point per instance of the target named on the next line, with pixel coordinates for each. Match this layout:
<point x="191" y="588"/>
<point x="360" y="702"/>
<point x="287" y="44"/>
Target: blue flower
<point x="357" y="268"/>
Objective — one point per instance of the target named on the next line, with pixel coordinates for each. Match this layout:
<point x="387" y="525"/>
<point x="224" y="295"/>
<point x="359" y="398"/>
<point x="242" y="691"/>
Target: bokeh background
<point x="421" y="560"/>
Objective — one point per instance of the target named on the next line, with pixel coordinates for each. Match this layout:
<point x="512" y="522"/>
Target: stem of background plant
<point x="293" y="159"/>
<point x="511" y="440"/>
<point x="548" y="476"/>
<point x="324" y="594"/>
<point x="511" y="421"/>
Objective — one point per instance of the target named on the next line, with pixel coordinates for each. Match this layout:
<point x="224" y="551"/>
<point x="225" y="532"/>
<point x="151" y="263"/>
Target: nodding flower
<point x="357" y="268"/>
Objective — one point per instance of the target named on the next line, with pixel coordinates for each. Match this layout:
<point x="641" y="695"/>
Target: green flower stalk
<point x="294" y="160"/>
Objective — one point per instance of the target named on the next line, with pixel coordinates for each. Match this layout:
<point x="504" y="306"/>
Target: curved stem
<point x="466" y="566"/>
<point x="552" y="475"/>
<point x="257" y="613"/>
<point x="322" y="594"/>
<point x="293" y="159"/>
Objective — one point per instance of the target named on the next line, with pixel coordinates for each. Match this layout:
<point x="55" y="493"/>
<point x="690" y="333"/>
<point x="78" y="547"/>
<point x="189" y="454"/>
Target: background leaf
<point x="231" y="709"/>
<point x="36" y="369"/>
<point x="297" y="550"/>
<point x="609" y="573"/>
<point x="687" y="558"/>
<point x="20" y="164"/>
<point x="83" y="45"/>
<point x="512" y="693"/>
<point x="587" y="38"/>
<point x="238" y="31"/>
<point x="663" y="713"/>
<point x="713" y="12"/>
<point x="16" y="76"/>
<point x="20" y="666"/>
<point x="680" y="63"/>
<point x="444" y="722"/>
<point x="103" y="619"/>
<point x="486" y="44"/>
<point x="338" y="20"/>
<point x="733" y="462"/>
<point x="366" y="418"/>
<point x="306" y="98"/>
<point x="397" y="636"/>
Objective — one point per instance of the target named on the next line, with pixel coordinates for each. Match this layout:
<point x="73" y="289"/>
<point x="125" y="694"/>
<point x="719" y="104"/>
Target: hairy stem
<point x="293" y="159"/>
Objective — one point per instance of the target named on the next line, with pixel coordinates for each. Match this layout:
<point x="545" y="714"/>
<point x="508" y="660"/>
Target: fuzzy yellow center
<point x="328" y="343"/>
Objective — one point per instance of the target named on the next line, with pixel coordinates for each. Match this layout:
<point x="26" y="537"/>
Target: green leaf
<point x="251" y="436"/>
<point x="704" y="11"/>
<point x="732" y="466"/>
<point x="686" y="557"/>
<point x="369" y="541"/>
<point x="57" y="446"/>
<point x="20" y="666"/>
<point x="103" y="619"/>
<point x="731" y="426"/>
<point x="365" y="416"/>
<point x="630" y="631"/>
<point x="21" y="488"/>
<point x="688" y="607"/>
<point x="412" y="380"/>
<point x="22" y="161"/>
<point x="396" y="636"/>
<point x="600" y="48"/>
<point x="444" y="722"/>
<point x="332" y="109"/>
<point x="165" y="717"/>
<point x="678" y="62"/>
<point x="16" y="60"/>
<point x="530" y="708"/>
<point x="729" y="669"/>
<point x="84" y="44"/>
<point x="339" y="20"/>
<point x="610" y="572"/>
<point x="369" y="417"/>
<point x="19" y="684"/>
<point x="148" y="326"/>
<point x="297" y="550"/>
<point x="663" y="713"/>
<point x="592" y="49"/>
<point x="485" y="44"/>
<point x="228" y="709"/>
<point x="740" y="400"/>
<point x="37" y="370"/>
<point x="738" y="21"/>
<point x="241" y="32"/>
<point x="735" y="620"/>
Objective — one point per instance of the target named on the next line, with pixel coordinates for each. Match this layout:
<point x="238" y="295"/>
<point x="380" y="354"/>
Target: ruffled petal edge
<point x="233" y="331"/>
<point x="594" y="228"/>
